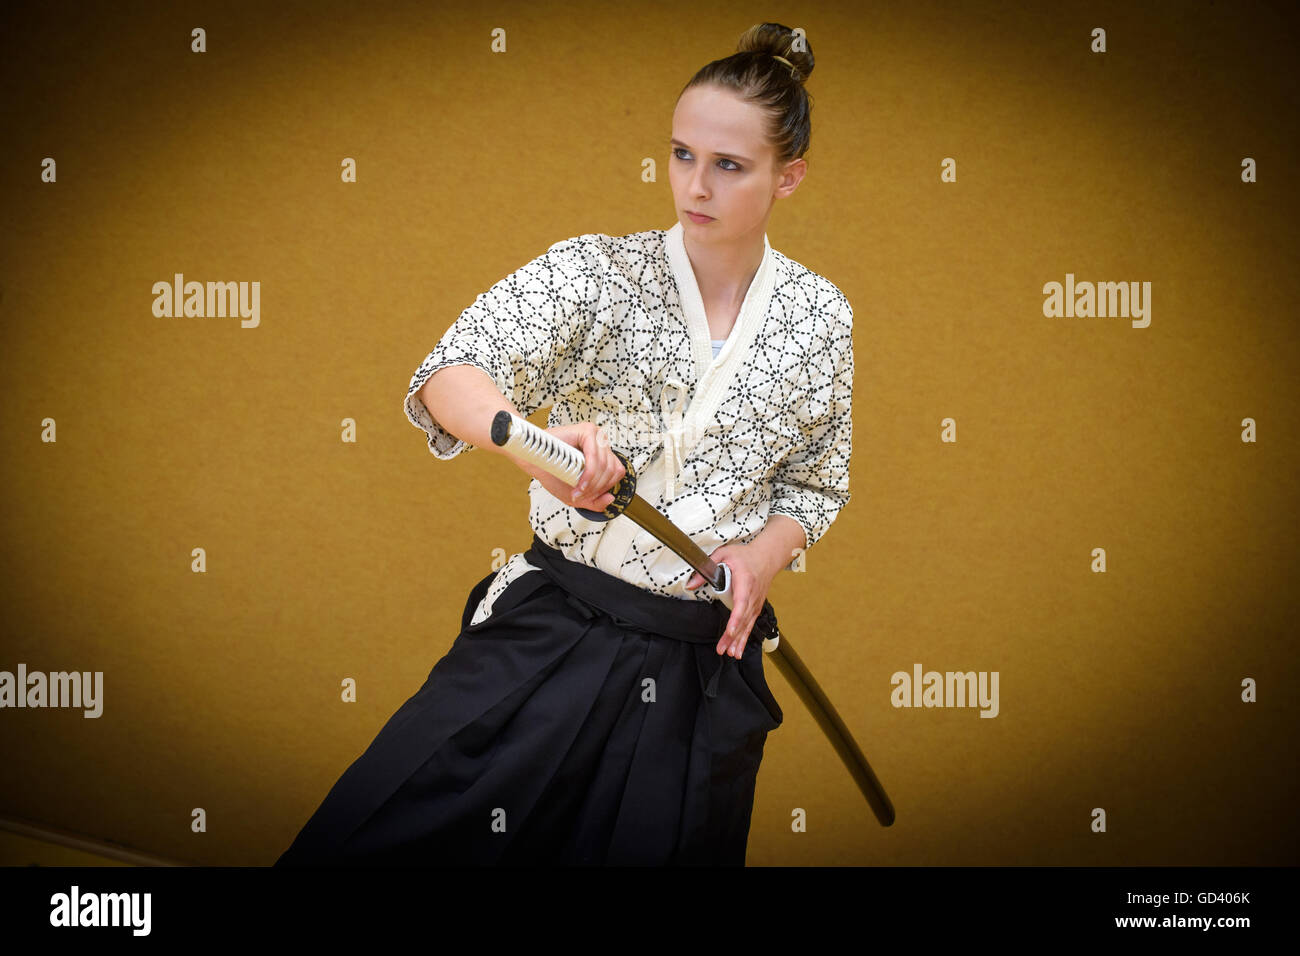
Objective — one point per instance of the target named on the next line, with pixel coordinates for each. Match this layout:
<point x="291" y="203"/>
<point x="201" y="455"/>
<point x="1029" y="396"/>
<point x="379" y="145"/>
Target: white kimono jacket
<point x="612" y="329"/>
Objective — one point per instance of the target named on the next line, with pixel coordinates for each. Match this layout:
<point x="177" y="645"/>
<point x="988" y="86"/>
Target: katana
<point x="526" y="441"/>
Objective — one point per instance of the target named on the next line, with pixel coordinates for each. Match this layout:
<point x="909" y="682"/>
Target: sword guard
<point x="623" y="493"/>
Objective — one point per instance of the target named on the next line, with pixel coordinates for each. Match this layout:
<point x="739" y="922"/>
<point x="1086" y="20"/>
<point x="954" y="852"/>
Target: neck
<point x="724" y="272"/>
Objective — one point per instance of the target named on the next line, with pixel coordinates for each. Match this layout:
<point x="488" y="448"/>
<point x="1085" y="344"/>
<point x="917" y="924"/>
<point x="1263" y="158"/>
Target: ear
<point x="791" y="177"/>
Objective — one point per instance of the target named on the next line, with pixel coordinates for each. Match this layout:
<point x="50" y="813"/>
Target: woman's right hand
<point x="602" y="472"/>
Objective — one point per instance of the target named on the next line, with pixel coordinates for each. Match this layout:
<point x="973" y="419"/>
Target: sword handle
<point x="525" y="440"/>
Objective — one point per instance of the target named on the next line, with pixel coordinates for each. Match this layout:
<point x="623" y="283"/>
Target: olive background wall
<point x="328" y="559"/>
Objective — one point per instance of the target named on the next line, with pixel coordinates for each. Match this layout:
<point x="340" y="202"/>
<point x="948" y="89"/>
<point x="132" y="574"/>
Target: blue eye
<point x="734" y="167"/>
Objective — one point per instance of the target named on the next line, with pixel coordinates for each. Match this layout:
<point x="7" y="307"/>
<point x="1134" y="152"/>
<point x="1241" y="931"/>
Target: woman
<point x="586" y="713"/>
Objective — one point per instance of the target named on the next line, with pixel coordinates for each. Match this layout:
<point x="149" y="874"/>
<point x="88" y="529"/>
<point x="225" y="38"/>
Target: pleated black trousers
<point x="584" y="722"/>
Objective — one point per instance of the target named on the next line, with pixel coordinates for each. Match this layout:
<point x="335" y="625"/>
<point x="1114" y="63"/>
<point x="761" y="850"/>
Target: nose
<point x="698" y="183"/>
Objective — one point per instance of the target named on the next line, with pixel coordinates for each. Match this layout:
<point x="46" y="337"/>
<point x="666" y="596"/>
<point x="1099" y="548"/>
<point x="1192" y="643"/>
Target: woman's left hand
<point x="751" y="576"/>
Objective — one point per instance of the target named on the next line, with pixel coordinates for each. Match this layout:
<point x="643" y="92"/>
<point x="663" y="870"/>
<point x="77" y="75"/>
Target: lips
<point x="698" y="216"/>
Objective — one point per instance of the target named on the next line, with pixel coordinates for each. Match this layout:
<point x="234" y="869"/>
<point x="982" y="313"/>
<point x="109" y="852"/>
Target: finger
<point x="616" y="471"/>
<point x="592" y="502"/>
<point x="610" y="481"/>
<point x="741" y="616"/>
<point x="729" y="635"/>
<point x="597" y="473"/>
<point x="583" y="479"/>
<point x="738" y="646"/>
<point x="588" y="495"/>
<point x="594" y="479"/>
<point x="734" y="633"/>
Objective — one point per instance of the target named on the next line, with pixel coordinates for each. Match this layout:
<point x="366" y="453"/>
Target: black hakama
<point x="536" y="741"/>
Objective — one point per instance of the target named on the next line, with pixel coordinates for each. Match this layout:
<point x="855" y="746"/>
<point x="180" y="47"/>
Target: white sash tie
<point x="671" y="410"/>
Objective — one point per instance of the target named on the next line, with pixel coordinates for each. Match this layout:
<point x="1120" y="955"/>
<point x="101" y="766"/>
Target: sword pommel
<point x="501" y="427"/>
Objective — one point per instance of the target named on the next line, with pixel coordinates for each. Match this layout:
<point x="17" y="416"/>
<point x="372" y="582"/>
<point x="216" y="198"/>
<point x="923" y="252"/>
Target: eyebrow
<point x="678" y="142"/>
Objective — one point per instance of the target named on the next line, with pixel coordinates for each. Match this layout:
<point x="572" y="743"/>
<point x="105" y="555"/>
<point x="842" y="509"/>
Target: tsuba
<point x="623" y="493"/>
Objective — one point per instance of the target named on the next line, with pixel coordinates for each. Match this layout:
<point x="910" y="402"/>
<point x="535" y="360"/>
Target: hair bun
<point x="778" y="40"/>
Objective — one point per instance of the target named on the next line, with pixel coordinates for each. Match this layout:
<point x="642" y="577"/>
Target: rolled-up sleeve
<point x="524" y="332"/>
<point x="812" y="483"/>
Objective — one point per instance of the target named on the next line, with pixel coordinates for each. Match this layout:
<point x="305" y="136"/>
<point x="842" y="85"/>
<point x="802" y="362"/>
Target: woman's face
<point x="721" y="165"/>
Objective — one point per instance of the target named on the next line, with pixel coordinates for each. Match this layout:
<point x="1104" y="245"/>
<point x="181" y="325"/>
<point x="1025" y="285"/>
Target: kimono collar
<point x="751" y="313"/>
<point x="682" y="426"/>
